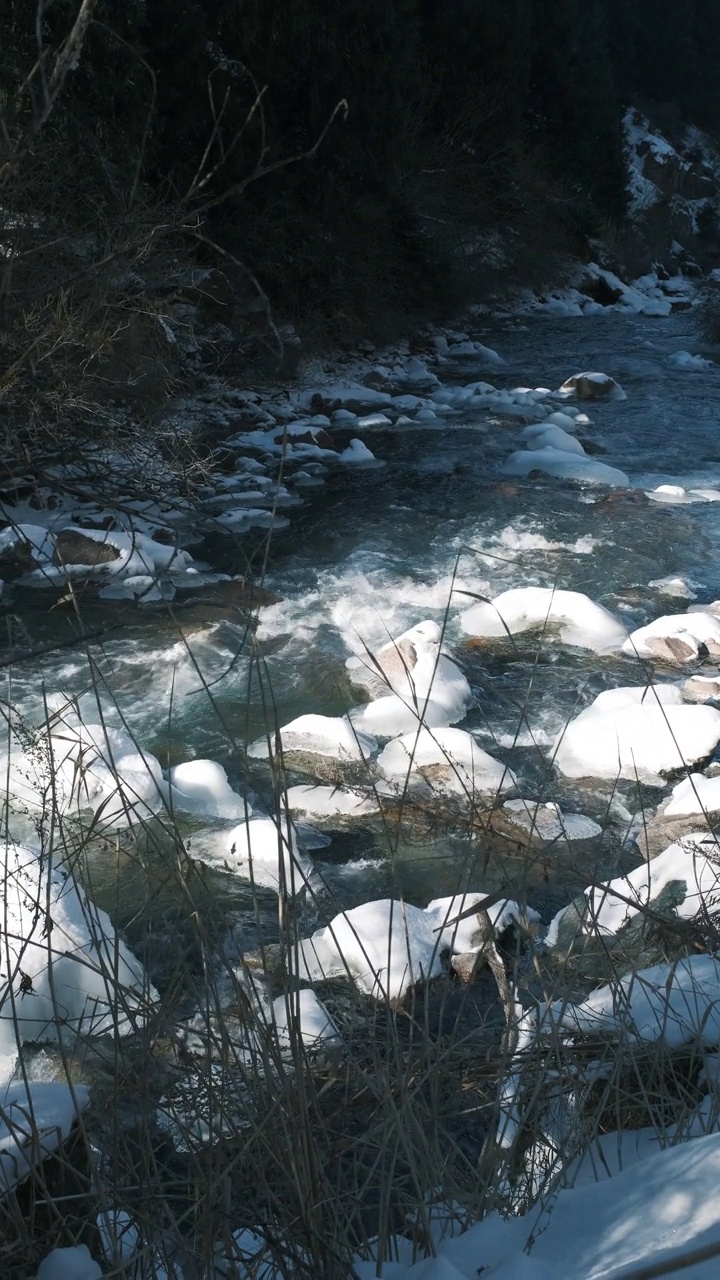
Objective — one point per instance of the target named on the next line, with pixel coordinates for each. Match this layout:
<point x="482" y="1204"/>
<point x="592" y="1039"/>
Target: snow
<point x="548" y="822"/>
<point x="548" y="435"/>
<point x="687" y="864"/>
<point x="358" y="454"/>
<point x="606" y="1229"/>
<point x="329" y="802"/>
<point x="35" y="1119"/>
<point x="579" y="621"/>
<point x="385" y="946"/>
<point x="463" y="936"/>
<point x="319" y="735"/>
<point x="676" y="495"/>
<point x="564" y="466"/>
<point x="84" y="980"/>
<point x="691" y="364"/>
<point x="639" y="732"/>
<point x="677" y="1003"/>
<point x="72" y="1263"/>
<point x="593" y="386"/>
<point x="676" y="637"/>
<point x="695" y="794"/>
<point x="303" y="1011"/>
<point x="258" y="850"/>
<point x="417" y="681"/>
<point x="443" y="761"/>
<point x="201" y="786"/>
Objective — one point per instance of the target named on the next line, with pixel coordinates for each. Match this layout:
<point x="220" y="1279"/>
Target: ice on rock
<point x="329" y="802"/>
<point x="81" y="979"/>
<point x="593" y="386"/>
<point x="548" y="822"/>
<point x="201" y="786"/>
<point x="637" y="733"/>
<point x="690" y="866"/>
<point x="385" y="946"/>
<point x="35" y="1119"/>
<point x="551" y="436"/>
<point x="415" y="682"/>
<point x="677" y="1003"/>
<point x="319" y="735"/>
<point x="260" y="850"/>
<point x="579" y="621"/>
<point x="676" y="637"/>
<point x="444" y="761"/>
<point x="464" y="935"/>
<point x="567" y="423"/>
<point x="302" y="1014"/>
<point x="564" y="466"/>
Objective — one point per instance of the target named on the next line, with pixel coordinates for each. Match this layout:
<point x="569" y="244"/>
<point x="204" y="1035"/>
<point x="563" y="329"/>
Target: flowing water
<point x="380" y="549"/>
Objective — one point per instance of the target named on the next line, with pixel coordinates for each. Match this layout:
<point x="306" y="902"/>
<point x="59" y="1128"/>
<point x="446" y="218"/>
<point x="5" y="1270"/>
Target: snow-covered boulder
<point x="260" y="850"/>
<point x="577" y="619"/>
<point x="412" y="681"/>
<point x="385" y="946"/>
<point x="677" y="637"/>
<point x="333" y="736"/>
<point x="636" y="733"/>
<point x="71" y="1263"/>
<point x="66" y="973"/>
<point x="564" y="466"/>
<point x="548" y="435"/>
<point x="320" y="801"/>
<point x="303" y="1015"/>
<point x="593" y="386"/>
<point x="689" y="867"/>
<point x="201" y="786"/>
<point x="463" y="936"/>
<point x="695" y="794"/>
<point x="445" y="761"/>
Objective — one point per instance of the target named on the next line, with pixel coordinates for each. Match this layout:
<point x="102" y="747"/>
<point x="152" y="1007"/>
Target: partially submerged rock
<point x="593" y="386"/>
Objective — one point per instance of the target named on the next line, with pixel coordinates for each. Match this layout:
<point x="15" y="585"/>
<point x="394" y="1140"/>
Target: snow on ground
<point x="636" y="733"/>
<point x="35" y="1119"/>
<point x="67" y="974"/>
<point x="604" y="1230"/>
<point x="577" y="619"/>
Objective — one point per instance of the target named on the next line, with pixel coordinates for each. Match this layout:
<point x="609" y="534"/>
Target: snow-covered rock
<point x="35" y="1119"/>
<point x="691" y="866"/>
<point x="66" y="972"/>
<point x="319" y="735"/>
<point x="329" y="802"/>
<point x="564" y="466"/>
<point x="445" y="761"/>
<point x="691" y="364"/>
<point x="577" y="619"/>
<point x="71" y="1263"/>
<point x="547" y="822"/>
<point x="548" y="435"/>
<point x="593" y="386"/>
<point x="412" y="681"/>
<point x="260" y="850"/>
<point x="464" y="935"/>
<point x="695" y="794"/>
<point x="302" y="1014"/>
<point x="676" y="637"/>
<point x="201" y="786"/>
<point x="636" y="733"/>
<point x="385" y="946"/>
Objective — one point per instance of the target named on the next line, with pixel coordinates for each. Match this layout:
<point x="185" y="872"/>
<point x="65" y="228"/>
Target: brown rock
<point x="72" y="547"/>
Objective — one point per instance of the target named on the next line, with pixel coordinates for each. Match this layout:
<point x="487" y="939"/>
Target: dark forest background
<point x="462" y="116"/>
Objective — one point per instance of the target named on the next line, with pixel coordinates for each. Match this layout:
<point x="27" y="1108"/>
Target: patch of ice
<point x="548" y="822"/>
<point x="564" y="466"/>
<point x="329" y="802"/>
